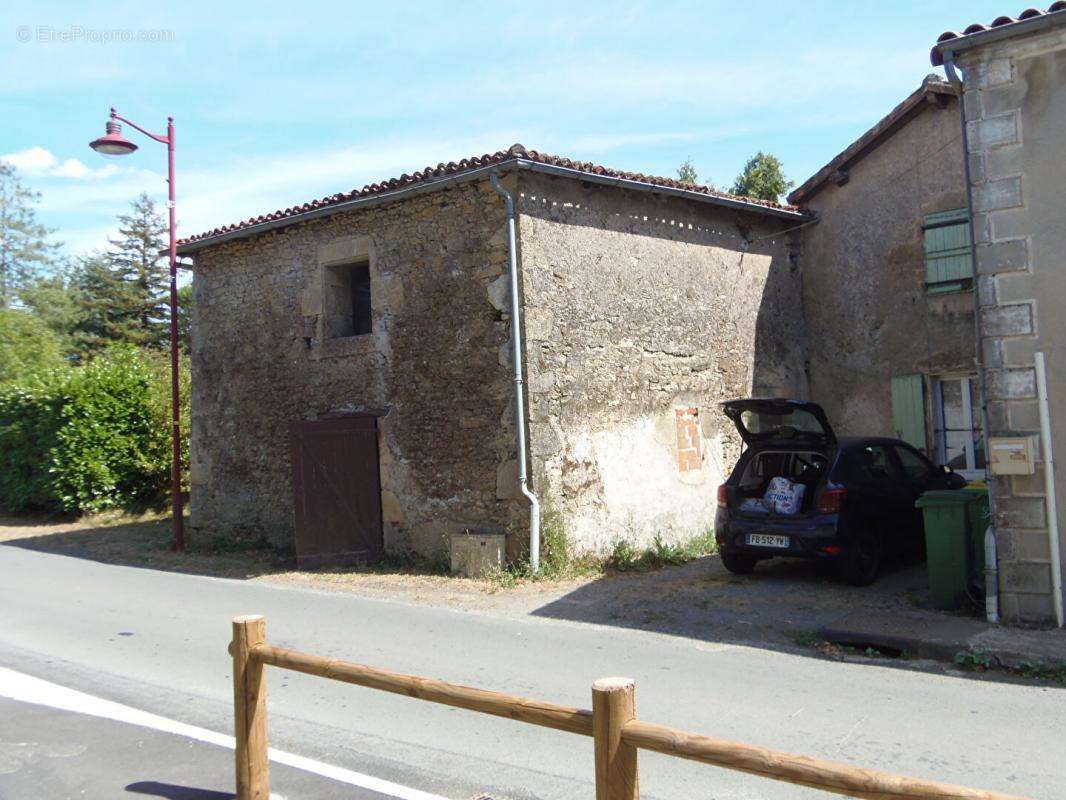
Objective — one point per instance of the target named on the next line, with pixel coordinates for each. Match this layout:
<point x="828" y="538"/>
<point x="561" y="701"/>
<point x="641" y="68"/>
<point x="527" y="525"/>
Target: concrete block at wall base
<point x="1022" y="609"/>
<point x="477" y="555"/>
<point x="1025" y="578"/>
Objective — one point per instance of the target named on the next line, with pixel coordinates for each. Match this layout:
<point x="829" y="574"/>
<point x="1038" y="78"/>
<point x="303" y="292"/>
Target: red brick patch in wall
<point x="689" y="456"/>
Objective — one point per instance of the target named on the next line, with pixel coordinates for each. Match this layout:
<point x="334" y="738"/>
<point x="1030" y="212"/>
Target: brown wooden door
<point x="337" y="488"/>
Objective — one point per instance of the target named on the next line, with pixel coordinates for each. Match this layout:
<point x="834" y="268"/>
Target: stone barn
<point x="352" y="368"/>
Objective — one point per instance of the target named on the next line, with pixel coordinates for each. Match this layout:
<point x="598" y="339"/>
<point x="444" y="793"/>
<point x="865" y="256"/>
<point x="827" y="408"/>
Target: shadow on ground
<point x="170" y="791"/>
<point x="144" y="542"/>
<point x="782" y="604"/>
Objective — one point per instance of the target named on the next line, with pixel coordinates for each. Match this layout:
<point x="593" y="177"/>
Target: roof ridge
<point x="428" y="175"/>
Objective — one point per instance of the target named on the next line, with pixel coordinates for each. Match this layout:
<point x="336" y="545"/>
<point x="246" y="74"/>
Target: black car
<point x="856" y="504"/>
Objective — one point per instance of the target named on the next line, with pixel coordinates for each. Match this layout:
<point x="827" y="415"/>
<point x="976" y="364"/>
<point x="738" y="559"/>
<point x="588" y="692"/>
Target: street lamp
<point x="113" y="143"/>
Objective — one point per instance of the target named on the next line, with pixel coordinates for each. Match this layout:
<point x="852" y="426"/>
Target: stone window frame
<point x="340" y="252"/>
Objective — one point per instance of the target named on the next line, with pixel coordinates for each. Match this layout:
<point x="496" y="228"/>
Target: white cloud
<point x="37" y="162"/>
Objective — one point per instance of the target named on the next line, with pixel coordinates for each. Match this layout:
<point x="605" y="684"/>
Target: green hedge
<point x="90" y="438"/>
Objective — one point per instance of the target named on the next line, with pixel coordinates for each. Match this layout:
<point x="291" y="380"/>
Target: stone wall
<point x="262" y="360"/>
<point x="1015" y="103"/>
<point x="641" y="314"/>
<point x="868" y="312"/>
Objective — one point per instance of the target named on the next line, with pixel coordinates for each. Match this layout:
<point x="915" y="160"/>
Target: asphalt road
<point x="157" y="641"/>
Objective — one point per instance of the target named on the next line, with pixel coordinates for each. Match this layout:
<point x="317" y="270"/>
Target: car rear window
<point x="798" y="420"/>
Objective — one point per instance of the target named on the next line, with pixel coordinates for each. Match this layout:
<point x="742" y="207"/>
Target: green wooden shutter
<point x="947" y="250"/>
<point x="908" y="409"/>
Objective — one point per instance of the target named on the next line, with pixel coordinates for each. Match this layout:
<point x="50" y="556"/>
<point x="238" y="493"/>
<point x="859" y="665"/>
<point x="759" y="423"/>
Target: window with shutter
<point x="948" y="267"/>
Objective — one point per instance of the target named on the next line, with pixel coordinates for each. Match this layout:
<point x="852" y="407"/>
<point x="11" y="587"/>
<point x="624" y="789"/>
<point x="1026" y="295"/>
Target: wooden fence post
<point x="250" y="710"/>
<point x="613" y="705"/>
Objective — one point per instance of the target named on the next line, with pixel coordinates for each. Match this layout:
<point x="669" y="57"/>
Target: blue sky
<point x="279" y="103"/>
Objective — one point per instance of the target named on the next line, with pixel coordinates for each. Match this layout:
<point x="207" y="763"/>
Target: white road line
<point x="26" y="688"/>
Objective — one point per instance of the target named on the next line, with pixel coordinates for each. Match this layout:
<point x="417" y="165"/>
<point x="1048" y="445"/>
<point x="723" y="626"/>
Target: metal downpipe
<point x="519" y="394"/>
<point x="991" y="558"/>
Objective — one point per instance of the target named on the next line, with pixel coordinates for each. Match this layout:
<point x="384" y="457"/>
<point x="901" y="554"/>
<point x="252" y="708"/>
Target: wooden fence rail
<point x="612" y="723"/>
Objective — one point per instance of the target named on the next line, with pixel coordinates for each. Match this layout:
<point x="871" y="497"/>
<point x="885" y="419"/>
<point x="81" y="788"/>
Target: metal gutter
<point x="669" y="191"/>
<point x="949" y="48"/>
<point x="479" y="173"/>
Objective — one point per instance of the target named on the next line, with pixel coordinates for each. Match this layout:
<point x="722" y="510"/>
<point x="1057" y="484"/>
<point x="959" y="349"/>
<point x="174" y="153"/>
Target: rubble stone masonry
<point x="640" y="315"/>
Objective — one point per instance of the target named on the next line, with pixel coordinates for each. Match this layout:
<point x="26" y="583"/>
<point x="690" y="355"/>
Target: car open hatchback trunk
<point x="804" y="467"/>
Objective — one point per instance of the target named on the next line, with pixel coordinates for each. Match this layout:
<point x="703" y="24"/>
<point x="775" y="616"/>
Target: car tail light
<point x="723" y="496"/>
<point x="831" y="500"/>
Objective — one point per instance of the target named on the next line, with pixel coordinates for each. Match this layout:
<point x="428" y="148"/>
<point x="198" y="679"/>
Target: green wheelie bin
<point x="955" y="523"/>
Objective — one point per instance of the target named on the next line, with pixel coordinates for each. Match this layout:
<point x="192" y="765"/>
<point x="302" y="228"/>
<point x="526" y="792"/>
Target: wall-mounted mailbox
<point x="1013" y="455"/>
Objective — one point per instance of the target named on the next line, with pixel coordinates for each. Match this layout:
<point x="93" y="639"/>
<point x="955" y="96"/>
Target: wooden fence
<point x="612" y="723"/>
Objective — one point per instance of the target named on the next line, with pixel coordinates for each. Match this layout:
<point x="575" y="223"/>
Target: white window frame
<point x="971" y="472"/>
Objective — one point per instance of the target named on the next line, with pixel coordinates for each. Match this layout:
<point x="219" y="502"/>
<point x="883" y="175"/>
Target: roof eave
<point x="479" y="173"/>
<point x="871" y="139"/>
<point x="947" y="49"/>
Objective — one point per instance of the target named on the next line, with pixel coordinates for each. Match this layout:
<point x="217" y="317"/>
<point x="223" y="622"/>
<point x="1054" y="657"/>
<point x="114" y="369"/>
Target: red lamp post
<point x="113" y="143"/>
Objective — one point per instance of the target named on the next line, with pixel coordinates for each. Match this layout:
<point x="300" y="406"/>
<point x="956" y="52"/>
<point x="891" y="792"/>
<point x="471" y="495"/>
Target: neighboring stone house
<point x="888" y="290"/>
<point x="1013" y="74"/>
<point x="350" y="356"/>
<point x="891" y="297"/>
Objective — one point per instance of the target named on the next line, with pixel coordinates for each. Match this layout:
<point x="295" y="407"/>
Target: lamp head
<point x="113" y="143"/>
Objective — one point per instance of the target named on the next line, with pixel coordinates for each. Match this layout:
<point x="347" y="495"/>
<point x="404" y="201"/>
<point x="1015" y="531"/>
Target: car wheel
<point x="738" y="563"/>
<point x="862" y="564"/>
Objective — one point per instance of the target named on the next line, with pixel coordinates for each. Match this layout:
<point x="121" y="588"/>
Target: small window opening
<point x="347" y="300"/>
<point x="948" y="267"/>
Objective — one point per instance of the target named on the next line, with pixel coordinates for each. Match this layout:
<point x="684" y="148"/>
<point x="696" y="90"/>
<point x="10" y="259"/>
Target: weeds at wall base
<point x="560" y="562"/>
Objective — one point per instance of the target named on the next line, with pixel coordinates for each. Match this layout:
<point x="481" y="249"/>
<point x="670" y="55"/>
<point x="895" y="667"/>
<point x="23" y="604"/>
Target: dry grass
<point x="140" y="541"/>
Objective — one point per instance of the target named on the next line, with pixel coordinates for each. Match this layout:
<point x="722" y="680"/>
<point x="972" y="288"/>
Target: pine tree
<point x="24" y="248"/>
<point x="762" y="177"/>
<point x="54" y="299"/>
<point x="110" y="306"/>
<point x="135" y="258"/>
<point x="686" y="173"/>
<point x="185" y="301"/>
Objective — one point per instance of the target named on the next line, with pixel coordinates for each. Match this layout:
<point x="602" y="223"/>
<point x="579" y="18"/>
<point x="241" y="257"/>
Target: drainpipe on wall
<point x="991" y="558"/>
<point x="1049" y="485"/>
<point x="519" y="399"/>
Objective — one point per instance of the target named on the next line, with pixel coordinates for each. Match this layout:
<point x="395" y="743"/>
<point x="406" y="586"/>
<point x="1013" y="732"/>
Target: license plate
<point x="766" y="540"/>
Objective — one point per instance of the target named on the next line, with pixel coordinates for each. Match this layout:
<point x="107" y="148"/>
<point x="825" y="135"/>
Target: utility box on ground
<point x="477" y="555"/>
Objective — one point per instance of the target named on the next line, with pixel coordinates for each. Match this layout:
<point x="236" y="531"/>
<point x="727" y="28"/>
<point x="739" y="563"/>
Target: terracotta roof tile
<point x="515" y="152"/>
<point x="998" y="22"/>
